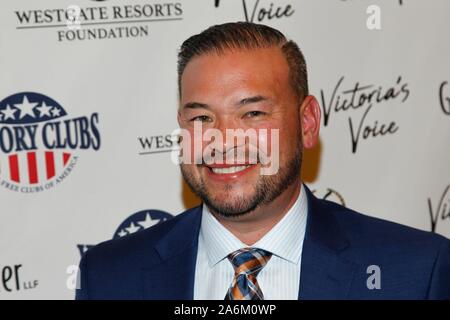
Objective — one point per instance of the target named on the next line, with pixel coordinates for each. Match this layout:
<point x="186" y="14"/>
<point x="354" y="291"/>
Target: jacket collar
<point x="172" y="277"/>
<point x="324" y="273"/>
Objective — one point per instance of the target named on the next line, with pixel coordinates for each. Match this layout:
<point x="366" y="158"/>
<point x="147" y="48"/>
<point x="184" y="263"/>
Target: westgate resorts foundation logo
<point x="98" y="20"/>
<point x="39" y="143"/>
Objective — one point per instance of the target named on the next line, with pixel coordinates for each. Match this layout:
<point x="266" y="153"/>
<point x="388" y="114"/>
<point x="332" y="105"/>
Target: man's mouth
<point x="227" y="170"/>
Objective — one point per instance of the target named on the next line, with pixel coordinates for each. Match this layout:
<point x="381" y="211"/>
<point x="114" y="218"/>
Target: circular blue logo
<point x="140" y="221"/>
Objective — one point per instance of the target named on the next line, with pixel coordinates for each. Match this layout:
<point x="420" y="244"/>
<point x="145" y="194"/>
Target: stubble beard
<point x="267" y="189"/>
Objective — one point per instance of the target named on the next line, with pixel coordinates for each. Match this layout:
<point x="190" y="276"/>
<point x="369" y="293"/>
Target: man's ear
<point x="179" y="118"/>
<point x="310" y="120"/>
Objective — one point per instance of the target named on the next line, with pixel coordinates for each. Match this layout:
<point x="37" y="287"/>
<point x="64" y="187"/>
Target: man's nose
<point x="229" y="126"/>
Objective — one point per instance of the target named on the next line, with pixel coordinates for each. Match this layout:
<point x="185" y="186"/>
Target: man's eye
<point x="202" y="119"/>
<point x="253" y="114"/>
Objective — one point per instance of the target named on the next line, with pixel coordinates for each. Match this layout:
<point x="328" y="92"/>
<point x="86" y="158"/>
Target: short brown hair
<point x="246" y="35"/>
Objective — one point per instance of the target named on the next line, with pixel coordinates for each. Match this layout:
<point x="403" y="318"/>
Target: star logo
<point x="29" y="107"/>
<point x="26" y="108"/>
<point x="132" y="228"/>
<point x="56" y="112"/>
<point x="44" y="110"/>
<point x="9" y="112"/>
<point x="140" y="221"/>
<point x="148" y="222"/>
<point x="122" y="233"/>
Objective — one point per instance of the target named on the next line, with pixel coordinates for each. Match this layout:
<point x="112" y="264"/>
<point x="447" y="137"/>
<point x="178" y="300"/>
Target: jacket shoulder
<point x="112" y="269"/>
<point x="141" y="241"/>
<point x="373" y="238"/>
<point x="413" y="263"/>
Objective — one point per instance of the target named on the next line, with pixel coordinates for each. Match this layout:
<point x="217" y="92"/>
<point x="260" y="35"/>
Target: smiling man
<point x="259" y="236"/>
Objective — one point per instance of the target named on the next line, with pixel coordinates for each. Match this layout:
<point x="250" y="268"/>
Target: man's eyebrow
<point x="195" y="105"/>
<point x="242" y="102"/>
<point x="254" y="99"/>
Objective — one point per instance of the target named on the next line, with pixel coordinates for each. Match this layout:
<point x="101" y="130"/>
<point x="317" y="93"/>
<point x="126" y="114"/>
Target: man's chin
<point x="236" y="208"/>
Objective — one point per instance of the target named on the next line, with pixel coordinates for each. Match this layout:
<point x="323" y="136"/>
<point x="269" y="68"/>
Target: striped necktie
<point x="247" y="263"/>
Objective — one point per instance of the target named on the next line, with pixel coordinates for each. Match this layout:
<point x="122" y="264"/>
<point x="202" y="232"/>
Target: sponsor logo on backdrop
<point x="360" y="103"/>
<point x="439" y="211"/>
<point x="444" y="97"/>
<point x="262" y="11"/>
<point x="39" y="142"/>
<point x="161" y="143"/>
<point x="138" y="221"/>
<point x="12" y="279"/>
<point x="106" y="21"/>
<point x="330" y="195"/>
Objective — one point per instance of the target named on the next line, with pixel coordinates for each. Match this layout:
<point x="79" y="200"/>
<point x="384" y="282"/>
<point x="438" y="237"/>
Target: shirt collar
<point x="284" y="240"/>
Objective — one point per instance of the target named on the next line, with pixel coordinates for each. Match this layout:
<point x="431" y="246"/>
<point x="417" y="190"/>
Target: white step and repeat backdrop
<point x="88" y="105"/>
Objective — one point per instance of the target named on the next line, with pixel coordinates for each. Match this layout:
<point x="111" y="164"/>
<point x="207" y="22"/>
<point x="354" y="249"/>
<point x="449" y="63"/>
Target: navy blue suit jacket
<point x="339" y="246"/>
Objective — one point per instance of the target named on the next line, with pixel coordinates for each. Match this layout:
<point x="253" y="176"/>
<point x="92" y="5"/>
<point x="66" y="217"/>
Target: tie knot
<point x="249" y="260"/>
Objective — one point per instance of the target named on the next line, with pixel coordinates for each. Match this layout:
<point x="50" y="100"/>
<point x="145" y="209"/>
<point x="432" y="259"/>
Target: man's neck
<point x="251" y="227"/>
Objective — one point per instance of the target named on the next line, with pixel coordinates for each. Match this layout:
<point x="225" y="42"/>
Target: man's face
<point x="241" y="89"/>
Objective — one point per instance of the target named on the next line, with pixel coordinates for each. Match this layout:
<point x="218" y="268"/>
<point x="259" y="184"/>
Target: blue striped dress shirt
<point x="278" y="280"/>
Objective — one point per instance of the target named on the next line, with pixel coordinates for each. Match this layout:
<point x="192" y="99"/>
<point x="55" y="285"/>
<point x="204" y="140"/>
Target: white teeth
<point x="229" y="169"/>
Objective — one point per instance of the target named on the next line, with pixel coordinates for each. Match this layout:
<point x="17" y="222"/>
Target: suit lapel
<point x="172" y="277"/>
<point x="324" y="273"/>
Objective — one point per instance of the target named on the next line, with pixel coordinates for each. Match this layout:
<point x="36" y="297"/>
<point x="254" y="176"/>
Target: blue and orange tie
<point x="247" y="263"/>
